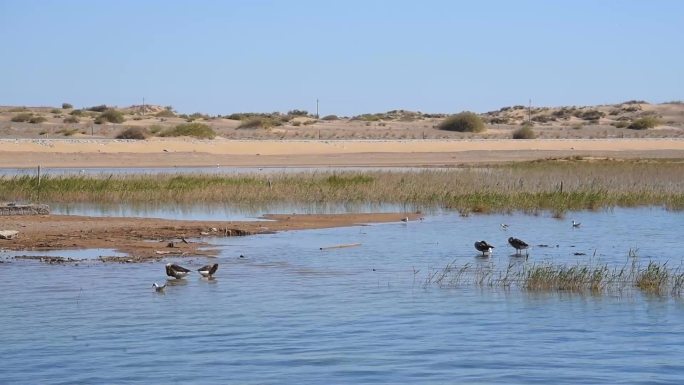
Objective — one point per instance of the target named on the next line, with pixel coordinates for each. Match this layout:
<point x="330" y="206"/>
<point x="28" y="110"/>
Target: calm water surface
<point x="291" y="313"/>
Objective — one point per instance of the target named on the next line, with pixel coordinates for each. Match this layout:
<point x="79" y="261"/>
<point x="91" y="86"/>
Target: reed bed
<point x="551" y="185"/>
<point x="656" y="278"/>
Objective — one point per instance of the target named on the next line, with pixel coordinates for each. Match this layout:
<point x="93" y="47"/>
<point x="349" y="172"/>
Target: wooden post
<point x="38" y="175"/>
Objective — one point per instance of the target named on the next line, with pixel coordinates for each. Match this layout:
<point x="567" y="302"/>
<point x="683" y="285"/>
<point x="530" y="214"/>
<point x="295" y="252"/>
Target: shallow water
<point x="290" y="312"/>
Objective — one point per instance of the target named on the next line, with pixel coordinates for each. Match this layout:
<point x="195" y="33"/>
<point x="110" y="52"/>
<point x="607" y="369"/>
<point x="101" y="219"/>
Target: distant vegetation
<point x="524" y="132"/>
<point x="644" y="123"/>
<point x="37" y="119"/>
<point x="111" y="116"/>
<point x="23" y="117"/>
<point x="71" y="119"/>
<point x="66" y="106"/>
<point x="165" y="114"/>
<point x="195" y="130"/>
<point x="463" y="122"/>
<point x="330" y="117"/>
<point x="100" y="108"/>
<point x="132" y="133"/>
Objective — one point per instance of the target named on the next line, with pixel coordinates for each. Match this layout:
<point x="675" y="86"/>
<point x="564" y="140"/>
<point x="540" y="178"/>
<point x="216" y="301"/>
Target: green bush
<point x="132" y="133"/>
<point x="195" y="130"/>
<point x="23" y="117"/>
<point x="111" y="116"/>
<point x="37" y="119"/>
<point x="66" y="106"/>
<point x="524" y="132"/>
<point x="463" y="122"/>
<point x="71" y="119"/>
<point x="644" y="123"/>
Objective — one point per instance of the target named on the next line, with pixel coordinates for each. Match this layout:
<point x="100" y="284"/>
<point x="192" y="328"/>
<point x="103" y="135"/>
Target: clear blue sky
<point x="220" y="57"/>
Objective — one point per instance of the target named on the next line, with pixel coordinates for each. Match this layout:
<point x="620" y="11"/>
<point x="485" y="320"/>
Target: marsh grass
<point x="654" y="279"/>
<point x="555" y="186"/>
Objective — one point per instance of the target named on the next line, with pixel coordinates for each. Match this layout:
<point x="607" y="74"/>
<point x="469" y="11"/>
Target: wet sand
<point x="149" y="238"/>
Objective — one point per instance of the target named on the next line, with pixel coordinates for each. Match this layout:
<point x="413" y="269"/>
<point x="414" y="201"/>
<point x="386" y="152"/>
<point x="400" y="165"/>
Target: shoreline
<point x="94" y="153"/>
<point x="145" y="239"/>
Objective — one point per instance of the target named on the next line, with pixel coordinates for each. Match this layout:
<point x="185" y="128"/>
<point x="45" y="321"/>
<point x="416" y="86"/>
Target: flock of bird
<point x="178" y="272"/>
<point x="518" y="244"/>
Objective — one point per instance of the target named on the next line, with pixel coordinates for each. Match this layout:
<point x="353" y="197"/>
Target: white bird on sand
<point x="176" y="271"/>
<point x="576" y="224"/>
<point x="208" y="270"/>
<point x="158" y="287"/>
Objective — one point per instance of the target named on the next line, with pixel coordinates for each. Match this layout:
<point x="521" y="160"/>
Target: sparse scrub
<point x="133" y="133"/>
<point x="67" y="106"/>
<point x="37" y="119"/>
<point x="524" y="132"/>
<point x="165" y="114"/>
<point x="23" y="117"/>
<point x="463" y="122"/>
<point x="195" y="130"/>
<point x="644" y="123"/>
<point x="70" y="119"/>
<point x="330" y="117"/>
<point x="55" y="111"/>
<point x="260" y="122"/>
<point x="111" y="116"/>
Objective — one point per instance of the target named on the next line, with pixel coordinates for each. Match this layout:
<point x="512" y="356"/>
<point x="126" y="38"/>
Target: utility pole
<point x="143" y="106"/>
<point x="529" y="112"/>
<point x="316" y="108"/>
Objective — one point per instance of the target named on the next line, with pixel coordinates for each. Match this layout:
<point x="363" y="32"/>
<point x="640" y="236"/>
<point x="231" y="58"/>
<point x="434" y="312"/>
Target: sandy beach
<point x="264" y="153"/>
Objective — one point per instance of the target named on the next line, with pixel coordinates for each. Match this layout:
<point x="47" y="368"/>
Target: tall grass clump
<point x="463" y="122"/>
<point x="644" y="123"/>
<point x="194" y="130"/>
<point x="524" y="132"/>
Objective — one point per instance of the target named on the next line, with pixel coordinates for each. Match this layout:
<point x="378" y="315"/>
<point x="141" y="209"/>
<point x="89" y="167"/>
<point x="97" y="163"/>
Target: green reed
<point x="532" y="186"/>
<point x="656" y="278"/>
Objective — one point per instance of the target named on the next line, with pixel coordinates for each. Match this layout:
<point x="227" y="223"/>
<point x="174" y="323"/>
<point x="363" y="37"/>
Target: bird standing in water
<point x="208" y="270"/>
<point x="483" y="247"/>
<point x="518" y="244"/>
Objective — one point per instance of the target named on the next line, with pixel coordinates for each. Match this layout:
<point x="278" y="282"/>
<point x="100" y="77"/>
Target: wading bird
<point x="518" y="245"/>
<point x="484" y="247"/>
<point x="158" y="287"/>
<point x="176" y="271"/>
<point x="208" y="270"/>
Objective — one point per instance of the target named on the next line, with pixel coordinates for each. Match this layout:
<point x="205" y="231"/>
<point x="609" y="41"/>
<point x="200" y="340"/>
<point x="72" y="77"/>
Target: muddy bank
<point x="149" y="238"/>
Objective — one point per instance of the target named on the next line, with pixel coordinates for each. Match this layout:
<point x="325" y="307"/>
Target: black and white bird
<point x="518" y="244"/>
<point x="504" y="226"/>
<point x="208" y="270"/>
<point x="576" y="224"/>
<point x="483" y="247"/>
<point x="176" y="271"/>
<point x="158" y="287"/>
<point x="405" y="219"/>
